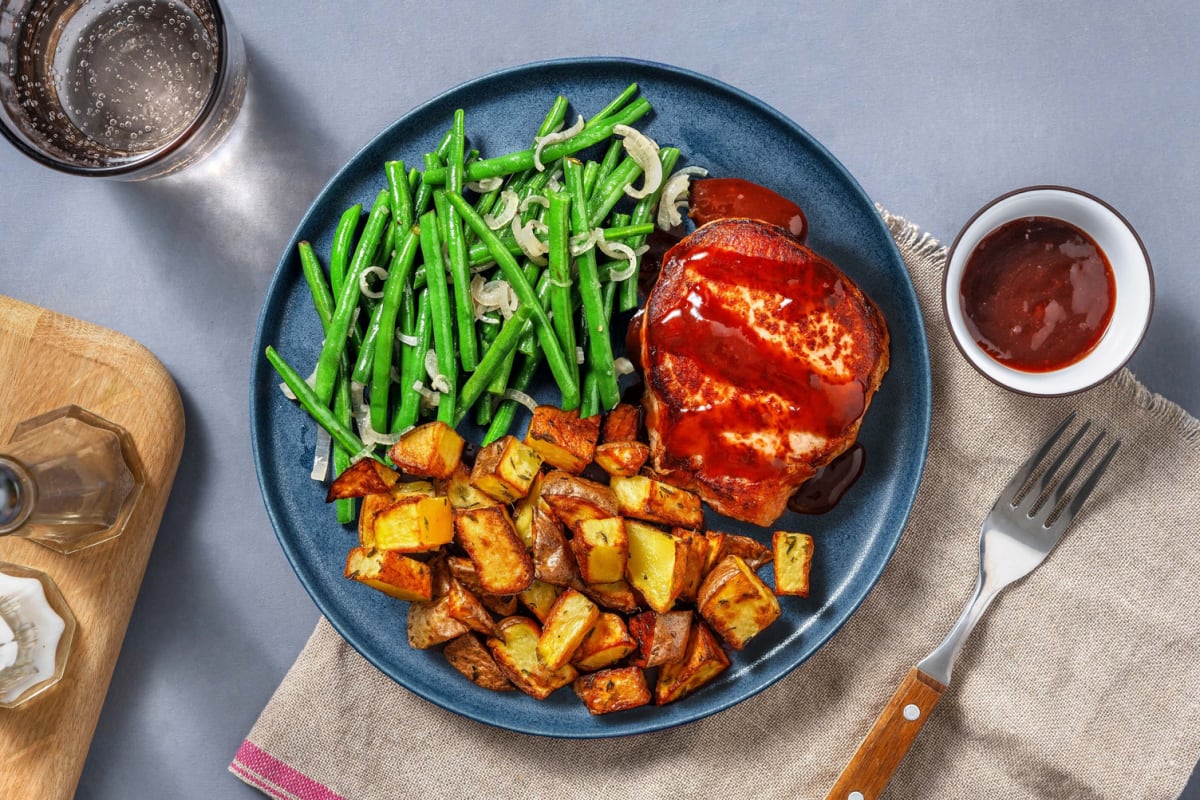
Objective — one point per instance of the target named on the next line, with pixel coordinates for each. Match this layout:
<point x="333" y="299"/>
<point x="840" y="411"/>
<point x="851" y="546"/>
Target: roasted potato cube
<point x="553" y="561"/>
<point x="431" y="450"/>
<point x="391" y="573"/>
<point x="613" y="690"/>
<point x="697" y="562"/>
<point x="515" y="648"/>
<point x="411" y="488"/>
<point x="654" y="501"/>
<point x="523" y="511"/>
<point x="618" y="595"/>
<point x="462" y="493"/>
<point x="371" y="505"/>
<point x="702" y="661"/>
<point x="562" y="439"/>
<point x="463" y="570"/>
<point x="363" y="477"/>
<point x="607" y="643"/>
<point x="569" y="621"/>
<point x="414" y="524"/>
<point x="506" y="469"/>
<point x="622" y="459"/>
<point x="500" y="604"/>
<point x="656" y="566"/>
<point x="502" y="565"/>
<point x="752" y="551"/>
<point x="430" y="624"/>
<point x="468" y="655"/>
<point x="661" y="638"/>
<point x="539" y="598"/>
<point x="793" y="560"/>
<point x="716" y="548"/>
<point x="735" y="602"/>
<point x="622" y="424"/>
<point x="601" y="549"/>
<point x="464" y="606"/>
<point x="576" y="499"/>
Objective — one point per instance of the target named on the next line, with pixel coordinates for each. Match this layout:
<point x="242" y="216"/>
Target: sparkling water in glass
<point x="126" y="89"/>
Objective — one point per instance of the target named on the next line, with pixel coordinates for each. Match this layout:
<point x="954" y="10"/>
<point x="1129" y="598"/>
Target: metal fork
<point x="1029" y="518"/>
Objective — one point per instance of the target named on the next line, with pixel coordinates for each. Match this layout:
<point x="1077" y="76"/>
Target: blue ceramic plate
<point x="731" y="134"/>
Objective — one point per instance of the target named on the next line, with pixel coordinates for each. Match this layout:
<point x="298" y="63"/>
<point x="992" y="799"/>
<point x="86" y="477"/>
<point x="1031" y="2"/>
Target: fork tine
<point x="1089" y="484"/>
<point x="1060" y="489"/>
<point x="1010" y="491"/>
<point x="1034" y="495"/>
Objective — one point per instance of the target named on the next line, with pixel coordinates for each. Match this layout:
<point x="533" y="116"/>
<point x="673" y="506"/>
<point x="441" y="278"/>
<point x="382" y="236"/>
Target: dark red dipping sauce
<point x="731" y="198"/>
<point x="1038" y="294"/>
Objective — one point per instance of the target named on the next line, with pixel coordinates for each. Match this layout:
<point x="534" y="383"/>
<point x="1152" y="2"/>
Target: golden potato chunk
<point x="468" y="655"/>
<point x="463" y="570"/>
<point x="601" y="549"/>
<point x="562" y="439"/>
<point x="735" y="602"/>
<point x="568" y="623"/>
<point x="576" y="499"/>
<point x="553" y="561"/>
<point x="502" y="565"/>
<point x="622" y="459"/>
<point x="391" y="573"/>
<point x="793" y="561"/>
<point x="523" y="511"/>
<point x="430" y="624"/>
<point x="464" y="606"/>
<point x="697" y="563"/>
<point x="410" y="488"/>
<point x="431" y="450"/>
<point x="613" y="690"/>
<point x="506" y="469"/>
<point x="539" y="598"/>
<point x="462" y="493"/>
<point x="655" y="501"/>
<point x="702" y="661"/>
<point x="371" y="505"/>
<point x="414" y="524"/>
<point x="752" y="551"/>
<point x="661" y="638"/>
<point x="515" y="648"/>
<point x="622" y="424"/>
<point x="363" y="477"/>
<point x="607" y="643"/>
<point x="618" y="595"/>
<point x="656" y="565"/>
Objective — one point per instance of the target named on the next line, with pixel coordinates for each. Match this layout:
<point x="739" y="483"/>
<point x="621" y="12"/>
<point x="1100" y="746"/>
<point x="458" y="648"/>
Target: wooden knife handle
<point x="868" y="773"/>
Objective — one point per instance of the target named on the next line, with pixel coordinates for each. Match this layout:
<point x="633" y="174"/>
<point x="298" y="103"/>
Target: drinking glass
<point x="124" y="89"/>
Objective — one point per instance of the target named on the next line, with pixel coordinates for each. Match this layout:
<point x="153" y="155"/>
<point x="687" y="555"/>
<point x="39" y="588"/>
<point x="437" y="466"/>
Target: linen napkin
<point x="1083" y="680"/>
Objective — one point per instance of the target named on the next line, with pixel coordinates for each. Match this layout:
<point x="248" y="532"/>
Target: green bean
<point x="500" y="380"/>
<point x="555" y="117"/>
<point x="402" y="208"/>
<point x="611" y="190"/>
<point x="339" y="326"/>
<point x="343" y="508"/>
<point x="617" y="103"/>
<point x="667" y="156"/>
<point x="424" y="194"/>
<point x="505" y="343"/>
<point x="343" y="241"/>
<point x="589" y="404"/>
<point x="523" y="159"/>
<point x="599" y="337"/>
<point x="560" y="274"/>
<point x="503" y="418"/>
<point x="412" y="367"/>
<point x="393" y="293"/>
<point x="618" y="232"/>
<point x="591" y="174"/>
<point x="318" y="409"/>
<point x="563" y="375"/>
<point x="439" y="297"/>
<point x="484" y="407"/>
<point x="383" y="253"/>
<point x="529" y="343"/>
<point x="318" y="287"/>
<point x="464" y="306"/>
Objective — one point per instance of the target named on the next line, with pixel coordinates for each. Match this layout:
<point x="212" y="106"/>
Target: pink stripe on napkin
<point x="267" y="773"/>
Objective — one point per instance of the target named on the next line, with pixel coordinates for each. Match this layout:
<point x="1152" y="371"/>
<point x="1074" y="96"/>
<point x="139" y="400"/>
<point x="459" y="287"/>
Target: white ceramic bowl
<point x="1131" y="272"/>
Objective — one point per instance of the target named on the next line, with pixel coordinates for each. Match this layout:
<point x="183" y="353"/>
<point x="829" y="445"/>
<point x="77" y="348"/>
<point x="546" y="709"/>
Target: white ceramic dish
<point x="1131" y="272"/>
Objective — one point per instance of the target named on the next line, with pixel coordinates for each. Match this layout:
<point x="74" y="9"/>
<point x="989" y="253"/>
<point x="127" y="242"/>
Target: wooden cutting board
<point x="47" y="361"/>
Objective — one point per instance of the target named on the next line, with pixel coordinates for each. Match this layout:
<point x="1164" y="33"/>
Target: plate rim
<point x="923" y="384"/>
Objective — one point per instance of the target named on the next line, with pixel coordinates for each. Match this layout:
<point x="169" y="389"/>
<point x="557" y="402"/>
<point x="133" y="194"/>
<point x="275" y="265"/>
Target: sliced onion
<point x="579" y="356"/>
<point x="533" y="247"/>
<point x="361" y="454"/>
<point x="530" y="200"/>
<point x="367" y="291"/>
<point x="582" y="242"/>
<point x="644" y="151"/>
<point x="520" y="397"/>
<point x="675" y="189"/>
<point x="488" y="296"/>
<point x="623" y="366"/>
<point x="619" y="250"/>
<point x="320" y="467"/>
<point x="507" y="211"/>
<point x="404" y="338"/>
<point x="429" y="397"/>
<point x="540" y="143"/>
<point x="485" y="185"/>
<point x="311" y="380"/>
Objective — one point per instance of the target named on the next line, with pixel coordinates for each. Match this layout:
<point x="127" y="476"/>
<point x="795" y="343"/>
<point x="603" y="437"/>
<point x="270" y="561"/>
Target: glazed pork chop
<point x="760" y="359"/>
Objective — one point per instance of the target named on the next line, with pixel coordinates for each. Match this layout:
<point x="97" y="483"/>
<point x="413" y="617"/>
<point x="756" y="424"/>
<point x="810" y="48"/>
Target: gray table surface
<point x="934" y="107"/>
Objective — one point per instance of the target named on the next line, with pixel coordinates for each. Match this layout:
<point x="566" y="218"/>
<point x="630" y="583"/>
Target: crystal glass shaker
<point x="68" y="480"/>
<point x="37" y="629"/>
